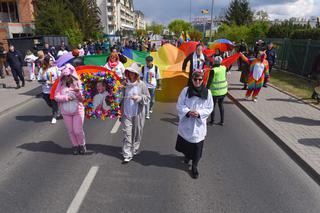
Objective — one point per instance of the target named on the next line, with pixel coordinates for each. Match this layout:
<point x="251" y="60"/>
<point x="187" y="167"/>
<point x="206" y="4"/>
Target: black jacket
<point x="271" y="56"/>
<point x="190" y="58"/>
<point x="14" y="59"/>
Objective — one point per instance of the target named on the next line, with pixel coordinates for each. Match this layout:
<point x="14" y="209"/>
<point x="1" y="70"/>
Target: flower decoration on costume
<point x="112" y="82"/>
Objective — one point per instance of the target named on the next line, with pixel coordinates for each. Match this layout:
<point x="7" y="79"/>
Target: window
<point x="9" y="12"/>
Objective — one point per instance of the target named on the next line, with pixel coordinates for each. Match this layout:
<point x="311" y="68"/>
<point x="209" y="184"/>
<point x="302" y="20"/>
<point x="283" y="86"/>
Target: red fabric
<point x="230" y="60"/>
<point x="188" y="47"/>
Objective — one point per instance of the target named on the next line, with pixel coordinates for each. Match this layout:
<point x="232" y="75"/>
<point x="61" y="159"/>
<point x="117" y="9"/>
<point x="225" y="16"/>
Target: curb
<point x="19" y="104"/>
<point x="290" y="152"/>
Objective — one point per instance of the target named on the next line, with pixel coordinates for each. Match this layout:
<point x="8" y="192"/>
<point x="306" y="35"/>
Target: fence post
<point x="306" y="57"/>
<point x="285" y="54"/>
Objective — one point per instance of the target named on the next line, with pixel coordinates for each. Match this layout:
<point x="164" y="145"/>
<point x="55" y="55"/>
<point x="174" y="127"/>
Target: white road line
<point x="115" y="128"/>
<point x="81" y="194"/>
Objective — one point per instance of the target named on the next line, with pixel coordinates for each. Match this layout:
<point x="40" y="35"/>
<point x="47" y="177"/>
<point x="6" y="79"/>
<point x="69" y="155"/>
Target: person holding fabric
<point x="218" y="85"/>
<point x="69" y="96"/>
<point x="114" y="64"/>
<point x="135" y="98"/>
<point x="150" y="74"/>
<point x="122" y="58"/>
<point x="194" y="107"/>
<point x="259" y="71"/>
<point x="47" y="75"/>
<point x="197" y="62"/>
<point x="245" y="70"/>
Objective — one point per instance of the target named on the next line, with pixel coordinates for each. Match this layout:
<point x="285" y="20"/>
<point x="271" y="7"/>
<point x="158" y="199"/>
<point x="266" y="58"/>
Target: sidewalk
<point x="293" y="124"/>
<point x="11" y="97"/>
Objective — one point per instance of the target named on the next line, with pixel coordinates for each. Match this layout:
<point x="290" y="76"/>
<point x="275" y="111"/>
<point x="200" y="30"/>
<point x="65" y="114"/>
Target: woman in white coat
<point x="194" y="106"/>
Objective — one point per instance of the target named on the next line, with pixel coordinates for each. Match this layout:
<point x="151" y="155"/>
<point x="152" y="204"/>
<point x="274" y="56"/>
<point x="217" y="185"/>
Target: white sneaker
<point x="127" y="160"/>
<point x="151" y="111"/>
<point x="254" y="99"/>
<point x="148" y="117"/>
<point x="53" y="121"/>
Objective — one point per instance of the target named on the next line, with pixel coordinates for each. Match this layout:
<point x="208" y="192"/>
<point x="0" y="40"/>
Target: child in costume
<point x="259" y="71"/>
<point x="135" y="97"/>
<point x="30" y="59"/>
<point x="100" y="100"/>
<point x="69" y="96"/>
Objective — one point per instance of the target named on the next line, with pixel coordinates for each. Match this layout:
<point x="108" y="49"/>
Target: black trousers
<point x="219" y="100"/>
<point x="52" y="104"/>
<point x="17" y="74"/>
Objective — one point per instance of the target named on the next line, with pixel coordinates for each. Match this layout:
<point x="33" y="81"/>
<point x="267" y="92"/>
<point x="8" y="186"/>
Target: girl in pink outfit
<point x="69" y="96"/>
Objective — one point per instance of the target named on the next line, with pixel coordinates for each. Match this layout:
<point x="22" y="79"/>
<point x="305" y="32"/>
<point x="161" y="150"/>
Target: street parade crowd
<point x="206" y="88"/>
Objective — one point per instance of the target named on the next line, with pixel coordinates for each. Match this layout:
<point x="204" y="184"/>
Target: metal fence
<point x="295" y="55"/>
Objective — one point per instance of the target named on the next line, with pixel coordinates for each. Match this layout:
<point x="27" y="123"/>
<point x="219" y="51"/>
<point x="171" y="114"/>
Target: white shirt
<point x="99" y="99"/>
<point x="193" y="130"/>
<point x="130" y="106"/>
<point x="150" y="76"/>
<point x="258" y="71"/>
<point x="50" y="76"/>
<point x="62" y="52"/>
<point x="119" y="69"/>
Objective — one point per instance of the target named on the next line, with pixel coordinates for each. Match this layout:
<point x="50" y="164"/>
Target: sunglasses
<point x="197" y="79"/>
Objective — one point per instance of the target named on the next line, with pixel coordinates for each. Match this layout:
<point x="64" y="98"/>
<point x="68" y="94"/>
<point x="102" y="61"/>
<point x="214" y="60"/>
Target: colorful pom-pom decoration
<point x="89" y="82"/>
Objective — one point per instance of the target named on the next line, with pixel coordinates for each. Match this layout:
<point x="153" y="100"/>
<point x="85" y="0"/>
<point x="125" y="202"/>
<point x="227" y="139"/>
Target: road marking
<point x="115" y="127"/>
<point x="83" y="190"/>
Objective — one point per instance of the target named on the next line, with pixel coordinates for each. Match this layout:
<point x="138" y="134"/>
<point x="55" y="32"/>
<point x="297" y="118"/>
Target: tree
<point x="195" y="35"/>
<point x="262" y="15"/>
<point x="86" y="12"/>
<point x="155" y="28"/>
<point x="141" y="33"/>
<point x="179" y="25"/>
<point x="239" y="12"/>
<point x="53" y="17"/>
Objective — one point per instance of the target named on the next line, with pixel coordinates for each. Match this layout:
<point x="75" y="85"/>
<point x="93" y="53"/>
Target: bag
<point x="156" y="70"/>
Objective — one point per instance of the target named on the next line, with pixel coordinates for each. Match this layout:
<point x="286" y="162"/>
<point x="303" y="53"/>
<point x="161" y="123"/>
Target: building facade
<point x="117" y="16"/>
<point x="139" y="20"/>
<point x="16" y="19"/>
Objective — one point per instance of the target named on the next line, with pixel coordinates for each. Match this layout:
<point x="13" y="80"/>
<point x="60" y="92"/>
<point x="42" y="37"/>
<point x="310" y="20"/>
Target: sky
<point x="163" y="11"/>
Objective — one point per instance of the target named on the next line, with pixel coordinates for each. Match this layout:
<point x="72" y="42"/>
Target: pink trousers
<point x="74" y="125"/>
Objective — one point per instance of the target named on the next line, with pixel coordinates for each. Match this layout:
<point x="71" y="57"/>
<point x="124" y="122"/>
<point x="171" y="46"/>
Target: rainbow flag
<point x="137" y="56"/>
<point x="182" y="37"/>
<point x="188" y="38"/>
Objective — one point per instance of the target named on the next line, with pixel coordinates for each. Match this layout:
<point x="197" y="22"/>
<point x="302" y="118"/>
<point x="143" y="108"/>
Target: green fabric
<point x="140" y="57"/>
<point x="97" y="60"/>
<point x="219" y="85"/>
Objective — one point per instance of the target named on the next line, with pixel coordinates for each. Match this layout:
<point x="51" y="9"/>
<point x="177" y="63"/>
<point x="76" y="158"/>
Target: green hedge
<point x="313" y="34"/>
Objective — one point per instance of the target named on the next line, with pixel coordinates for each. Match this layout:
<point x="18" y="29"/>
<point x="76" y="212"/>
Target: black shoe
<point x="194" y="173"/>
<point x="211" y="123"/>
<point x="186" y="160"/>
<point x="221" y="123"/>
<point x="244" y="88"/>
<point x="75" y="150"/>
<point x="265" y="85"/>
<point x="23" y="83"/>
<point x="18" y="86"/>
<point x="82" y="149"/>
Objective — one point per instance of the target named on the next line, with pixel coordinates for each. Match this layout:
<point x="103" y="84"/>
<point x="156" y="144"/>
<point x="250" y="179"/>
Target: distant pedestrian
<point x="197" y="62"/>
<point x="271" y="58"/>
<point x="243" y="48"/>
<point x="245" y="70"/>
<point x="150" y="74"/>
<point x="259" y="71"/>
<point x="135" y="98"/>
<point x="30" y="59"/>
<point x="47" y="75"/>
<point x="194" y="107"/>
<point x="69" y="96"/>
<point x="114" y="64"/>
<point x="218" y="86"/>
<point x="2" y="61"/>
<point x="15" y="61"/>
<point x="62" y="52"/>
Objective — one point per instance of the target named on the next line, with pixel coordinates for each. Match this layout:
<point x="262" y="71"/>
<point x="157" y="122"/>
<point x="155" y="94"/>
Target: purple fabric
<point x="64" y="59"/>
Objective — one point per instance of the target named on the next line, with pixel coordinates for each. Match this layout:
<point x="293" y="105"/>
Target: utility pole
<point x="211" y="20"/>
<point x="190" y="11"/>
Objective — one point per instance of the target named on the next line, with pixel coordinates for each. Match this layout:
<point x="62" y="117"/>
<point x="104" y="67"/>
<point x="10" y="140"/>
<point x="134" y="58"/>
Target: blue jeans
<point x="149" y="106"/>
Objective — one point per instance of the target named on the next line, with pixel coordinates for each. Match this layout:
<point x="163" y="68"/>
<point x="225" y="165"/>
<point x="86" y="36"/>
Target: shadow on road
<point x="310" y="142"/>
<point x="35" y="118"/>
<point x="173" y="120"/>
<point x="145" y="158"/>
<point x="286" y="100"/>
<point x="299" y="120"/>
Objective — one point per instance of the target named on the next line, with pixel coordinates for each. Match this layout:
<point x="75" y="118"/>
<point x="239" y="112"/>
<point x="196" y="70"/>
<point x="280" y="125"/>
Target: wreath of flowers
<point x="89" y="82"/>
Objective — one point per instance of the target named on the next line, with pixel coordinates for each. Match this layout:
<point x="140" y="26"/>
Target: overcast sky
<point x="165" y="10"/>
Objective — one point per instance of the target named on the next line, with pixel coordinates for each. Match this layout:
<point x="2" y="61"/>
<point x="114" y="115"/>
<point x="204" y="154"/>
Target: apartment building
<point x="119" y="17"/>
<point x="139" y="20"/>
<point x="16" y="19"/>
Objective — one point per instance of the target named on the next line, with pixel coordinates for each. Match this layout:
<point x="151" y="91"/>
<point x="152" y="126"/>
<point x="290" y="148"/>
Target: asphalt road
<point x="242" y="169"/>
